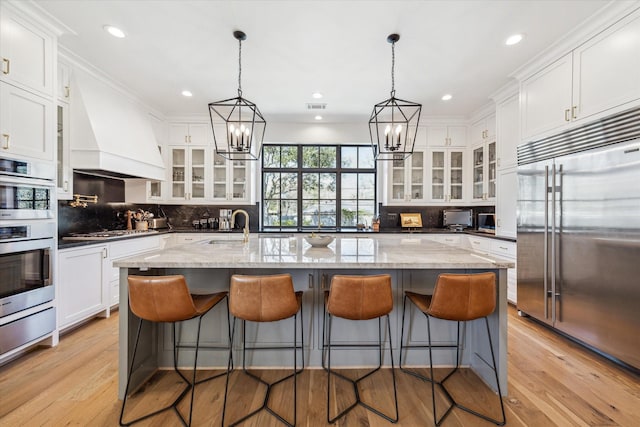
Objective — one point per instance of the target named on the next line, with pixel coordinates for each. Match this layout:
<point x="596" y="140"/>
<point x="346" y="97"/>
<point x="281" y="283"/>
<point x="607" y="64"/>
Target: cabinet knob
<point x="7" y="138"/>
<point x="6" y="66"/>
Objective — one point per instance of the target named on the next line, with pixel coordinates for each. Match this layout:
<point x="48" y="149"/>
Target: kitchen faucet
<point x="246" y="222"/>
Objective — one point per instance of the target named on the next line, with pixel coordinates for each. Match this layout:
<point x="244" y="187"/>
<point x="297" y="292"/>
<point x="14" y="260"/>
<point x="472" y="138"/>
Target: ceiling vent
<point x="316" y="106"/>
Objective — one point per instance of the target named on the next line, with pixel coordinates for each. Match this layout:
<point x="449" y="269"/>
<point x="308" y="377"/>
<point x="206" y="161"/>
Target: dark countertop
<point x="65" y="244"/>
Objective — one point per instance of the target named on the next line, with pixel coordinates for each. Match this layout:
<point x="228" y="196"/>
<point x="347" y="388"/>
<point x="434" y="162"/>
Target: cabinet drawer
<point x="135" y="245"/>
<point x="445" y="239"/>
<point x="479" y="244"/>
<point x="504" y="249"/>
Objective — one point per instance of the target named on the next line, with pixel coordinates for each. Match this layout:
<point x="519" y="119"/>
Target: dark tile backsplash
<point x="431" y="215"/>
<point x="112" y="216"/>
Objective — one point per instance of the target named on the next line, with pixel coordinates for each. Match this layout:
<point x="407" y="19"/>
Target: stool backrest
<point x="360" y="297"/>
<point x="160" y="298"/>
<point x="262" y="298"/>
<point x="463" y="297"/>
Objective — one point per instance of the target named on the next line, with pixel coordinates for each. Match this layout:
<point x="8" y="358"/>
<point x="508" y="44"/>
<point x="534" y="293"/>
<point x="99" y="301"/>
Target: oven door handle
<point x="46" y="268"/>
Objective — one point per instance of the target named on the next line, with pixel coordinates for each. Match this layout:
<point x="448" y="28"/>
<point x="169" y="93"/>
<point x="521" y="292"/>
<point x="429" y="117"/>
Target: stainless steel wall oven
<point x="26" y="190"/>
<point x="27" y="246"/>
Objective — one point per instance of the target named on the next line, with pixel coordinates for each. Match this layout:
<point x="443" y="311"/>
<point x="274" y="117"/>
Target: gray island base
<point x="413" y="261"/>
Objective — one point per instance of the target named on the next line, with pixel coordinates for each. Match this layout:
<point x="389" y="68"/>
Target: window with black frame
<point x="317" y="186"/>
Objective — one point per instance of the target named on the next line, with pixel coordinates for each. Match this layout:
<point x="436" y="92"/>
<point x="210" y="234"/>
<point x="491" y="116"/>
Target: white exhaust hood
<point x="110" y="135"/>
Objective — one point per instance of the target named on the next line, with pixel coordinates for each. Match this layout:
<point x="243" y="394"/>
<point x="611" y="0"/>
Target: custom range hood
<point x="110" y="135"/>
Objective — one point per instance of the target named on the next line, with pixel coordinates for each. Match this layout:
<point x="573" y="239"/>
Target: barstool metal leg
<point x="265" y="402"/>
<point x="173" y="405"/>
<point x="357" y="380"/>
<point x="449" y="397"/>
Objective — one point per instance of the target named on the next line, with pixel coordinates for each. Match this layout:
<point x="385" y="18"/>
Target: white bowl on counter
<point x="319" y="240"/>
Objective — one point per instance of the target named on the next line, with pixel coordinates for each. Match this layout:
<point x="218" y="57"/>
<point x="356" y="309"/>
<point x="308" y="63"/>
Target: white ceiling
<point x="294" y="48"/>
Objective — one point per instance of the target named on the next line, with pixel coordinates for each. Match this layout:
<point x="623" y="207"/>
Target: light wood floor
<point x="551" y="382"/>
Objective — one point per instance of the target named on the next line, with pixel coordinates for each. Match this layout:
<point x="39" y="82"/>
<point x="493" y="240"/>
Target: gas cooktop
<point x="110" y="234"/>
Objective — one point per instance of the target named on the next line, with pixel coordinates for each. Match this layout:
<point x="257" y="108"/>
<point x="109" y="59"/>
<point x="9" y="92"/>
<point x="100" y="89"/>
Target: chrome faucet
<point x="246" y="223"/>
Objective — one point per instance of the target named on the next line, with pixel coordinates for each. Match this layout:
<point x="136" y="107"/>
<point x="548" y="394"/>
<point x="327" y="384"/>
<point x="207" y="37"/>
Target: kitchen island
<point x="413" y="261"/>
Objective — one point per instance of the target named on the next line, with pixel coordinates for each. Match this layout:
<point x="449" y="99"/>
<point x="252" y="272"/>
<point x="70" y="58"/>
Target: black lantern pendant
<point x="237" y="124"/>
<point x="394" y="122"/>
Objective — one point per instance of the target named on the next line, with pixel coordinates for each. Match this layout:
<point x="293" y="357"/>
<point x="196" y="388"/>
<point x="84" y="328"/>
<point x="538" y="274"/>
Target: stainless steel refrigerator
<point x="579" y="234"/>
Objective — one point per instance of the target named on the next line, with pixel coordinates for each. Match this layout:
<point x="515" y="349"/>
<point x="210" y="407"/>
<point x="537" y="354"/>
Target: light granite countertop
<point x="371" y="251"/>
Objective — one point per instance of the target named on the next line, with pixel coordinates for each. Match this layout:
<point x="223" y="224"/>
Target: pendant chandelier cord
<point x="393" y="63"/>
<point x="239" y="67"/>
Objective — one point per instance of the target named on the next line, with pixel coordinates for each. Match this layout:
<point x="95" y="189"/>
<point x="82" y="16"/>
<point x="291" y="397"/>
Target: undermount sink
<point x="226" y="242"/>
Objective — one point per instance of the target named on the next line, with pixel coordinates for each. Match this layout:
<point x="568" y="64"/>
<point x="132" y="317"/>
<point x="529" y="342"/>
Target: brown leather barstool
<point x="359" y="298"/>
<point x="166" y="299"/>
<point x="458" y="298"/>
<point x="265" y="299"/>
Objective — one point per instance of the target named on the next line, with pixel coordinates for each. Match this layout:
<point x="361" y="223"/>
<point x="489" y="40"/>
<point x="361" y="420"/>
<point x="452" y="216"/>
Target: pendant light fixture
<point x="394" y="122"/>
<point x="237" y="124"/>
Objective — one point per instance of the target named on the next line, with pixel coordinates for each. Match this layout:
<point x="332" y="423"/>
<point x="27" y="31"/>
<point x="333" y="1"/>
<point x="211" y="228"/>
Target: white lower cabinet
<point x="122" y="249"/>
<point x="500" y="248"/>
<point x="83" y="289"/>
<point x="447" y="239"/>
<point x="88" y="284"/>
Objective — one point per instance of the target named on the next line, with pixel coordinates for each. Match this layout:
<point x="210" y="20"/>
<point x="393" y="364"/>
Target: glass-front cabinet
<point x="188" y="168"/>
<point x="407" y="178"/>
<point x="447" y="175"/>
<point x="230" y="179"/>
<point x="484" y="172"/>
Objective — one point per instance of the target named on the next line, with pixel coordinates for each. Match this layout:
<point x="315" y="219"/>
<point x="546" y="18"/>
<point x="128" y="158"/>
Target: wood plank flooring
<point x="552" y="382"/>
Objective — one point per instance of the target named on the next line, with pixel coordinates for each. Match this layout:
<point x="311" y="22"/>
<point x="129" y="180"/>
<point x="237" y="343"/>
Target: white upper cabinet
<point x="27" y="54"/>
<point x="595" y="79"/>
<point x="64" y="82"/>
<point x="26" y="123"/>
<point x="407" y="179"/>
<point x="188" y="172"/>
<point x="447" y="136"/>
<point x="607" y="69"/>
<point x="483" y="130"/>
<point x="190" y="133"/>
<point x="508" y="131"/>
<point x="483" y="157"/>
<point x="447" y="175"/>
<point x="230" y="179"/>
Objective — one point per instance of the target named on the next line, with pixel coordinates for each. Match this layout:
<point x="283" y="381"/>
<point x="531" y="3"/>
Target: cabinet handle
<point x="104" y="253"/>
<point x="566" y="115"/>
<point x="6" y="137"/>
<point x="573" y="112"/>
<point x="189" y="138"/>
<point x="310" y="281"/>
<point x="65" y="186"/>
<point x="6" y="66"/>
<point x="67" y="91"/>
<point x="503" y="248"/>
<point x="323" y="282"/>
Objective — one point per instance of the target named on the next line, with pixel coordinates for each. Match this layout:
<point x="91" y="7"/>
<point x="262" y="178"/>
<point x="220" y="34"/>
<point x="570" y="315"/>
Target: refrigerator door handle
<point x="546" y="242"/>
<point x="553" y="243"/>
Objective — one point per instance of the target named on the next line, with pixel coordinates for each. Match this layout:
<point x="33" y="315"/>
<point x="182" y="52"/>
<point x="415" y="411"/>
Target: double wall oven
<point x="27" y="246"/>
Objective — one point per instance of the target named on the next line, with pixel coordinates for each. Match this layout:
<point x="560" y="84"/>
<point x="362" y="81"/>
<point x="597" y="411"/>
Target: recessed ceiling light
<point x="318" y="117"/>
<point x="316" y="95"/>
<point x="114" y="31"/>
<point x="446" y="97"/>
<point x="187" y="93"/>
<point x="514" y="39"/>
